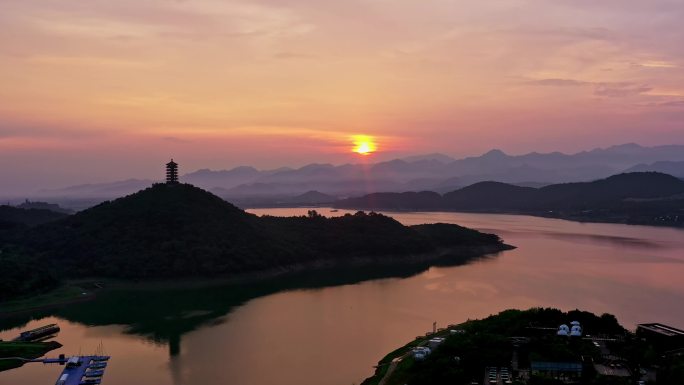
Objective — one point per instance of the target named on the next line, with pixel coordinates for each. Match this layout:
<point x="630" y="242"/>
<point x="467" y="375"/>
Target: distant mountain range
<point x="99" y="190"/>
<point x="433" y="172"/>
<point x="643" y="197"/>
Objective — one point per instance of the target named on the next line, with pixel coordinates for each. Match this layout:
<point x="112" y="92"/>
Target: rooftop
<point x="614" y="371"/>
<point x="665" y="330"/>
<point x="556" y="366"/>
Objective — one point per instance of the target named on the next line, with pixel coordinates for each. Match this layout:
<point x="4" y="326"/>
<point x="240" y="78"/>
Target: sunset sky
<point x="100" y="90"/>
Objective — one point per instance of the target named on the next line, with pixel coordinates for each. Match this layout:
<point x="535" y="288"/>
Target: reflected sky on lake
<point x="331" y="331"/>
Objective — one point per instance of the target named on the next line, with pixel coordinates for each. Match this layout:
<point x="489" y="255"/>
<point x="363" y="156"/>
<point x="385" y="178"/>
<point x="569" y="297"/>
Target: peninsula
<point x="174" y="230"/>
<point x="537" y="346"/>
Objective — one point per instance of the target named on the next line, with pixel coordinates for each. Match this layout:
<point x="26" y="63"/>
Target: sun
<point x="364" y="144"/>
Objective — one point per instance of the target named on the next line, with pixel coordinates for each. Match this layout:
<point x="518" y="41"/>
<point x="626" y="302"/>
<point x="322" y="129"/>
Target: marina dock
<point x="79" y="370"/>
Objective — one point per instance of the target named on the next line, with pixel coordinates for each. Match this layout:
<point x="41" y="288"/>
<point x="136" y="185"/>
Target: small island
<point x="540" y="346"/>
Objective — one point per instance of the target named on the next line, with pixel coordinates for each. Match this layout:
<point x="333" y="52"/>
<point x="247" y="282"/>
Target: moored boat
<point x="94" y="373"/>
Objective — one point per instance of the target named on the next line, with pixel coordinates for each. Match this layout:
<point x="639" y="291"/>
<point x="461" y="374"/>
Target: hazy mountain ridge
<point x="666" y="167"/>
<point x="645" y="198"/>
<point x="99" y="190"/>
<point x="438" y="172"/>
<point x="499" y="195"/>
<point x="433" y="172"/>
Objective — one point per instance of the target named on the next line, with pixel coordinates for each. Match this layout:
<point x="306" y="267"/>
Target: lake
<point x="331" y="327"/>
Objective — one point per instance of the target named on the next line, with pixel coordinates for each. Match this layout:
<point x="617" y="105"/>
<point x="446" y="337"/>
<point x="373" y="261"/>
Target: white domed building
<point x="576" y="331"/>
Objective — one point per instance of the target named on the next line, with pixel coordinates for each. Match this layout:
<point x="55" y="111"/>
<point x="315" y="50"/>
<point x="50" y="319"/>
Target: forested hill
<point x="641" y="197"/>
<point x="172" y="230"/>
<point x="28" y="217"/>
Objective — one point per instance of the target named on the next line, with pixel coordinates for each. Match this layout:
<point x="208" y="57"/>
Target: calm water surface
<point x="329" y="329"/>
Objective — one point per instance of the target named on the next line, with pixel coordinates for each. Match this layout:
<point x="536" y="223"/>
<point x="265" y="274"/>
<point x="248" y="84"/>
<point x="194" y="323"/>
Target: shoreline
<point x="10" y="352"/>
<point x="384" y="369"/>
<point x="50" y="305"/>
<point x="461" y="254"/>
<point x="536" y="214"/>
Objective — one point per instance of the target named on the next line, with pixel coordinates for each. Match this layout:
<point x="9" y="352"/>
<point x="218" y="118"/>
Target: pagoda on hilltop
<point x="172" y="172"/>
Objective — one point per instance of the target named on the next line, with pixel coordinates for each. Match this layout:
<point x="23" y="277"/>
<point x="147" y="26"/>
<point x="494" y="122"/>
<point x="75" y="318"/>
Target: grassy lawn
<point x="28" y="350"/>
<point x="65" y="293"/>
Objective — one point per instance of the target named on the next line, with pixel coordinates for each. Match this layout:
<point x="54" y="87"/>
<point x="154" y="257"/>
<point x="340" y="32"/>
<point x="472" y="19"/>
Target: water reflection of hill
<point x="164" y="315"/>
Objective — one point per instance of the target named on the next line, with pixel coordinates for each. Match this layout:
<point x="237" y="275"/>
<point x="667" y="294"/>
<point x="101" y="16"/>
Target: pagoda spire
<point x="172" y="172"/>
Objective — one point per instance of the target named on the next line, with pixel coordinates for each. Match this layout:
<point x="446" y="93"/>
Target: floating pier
<point x="79" y="370"/>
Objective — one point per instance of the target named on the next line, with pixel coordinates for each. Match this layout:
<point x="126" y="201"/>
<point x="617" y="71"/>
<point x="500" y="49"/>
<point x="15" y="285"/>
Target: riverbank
<point x="69" y="292"/>
<point x="87" y="289"/>
<point x="12" y="352"/>
<point x="666" y="218"/>
<point x="395" y="361"/>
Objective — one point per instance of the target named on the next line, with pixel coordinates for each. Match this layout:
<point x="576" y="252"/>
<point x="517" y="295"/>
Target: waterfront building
<point x="663" y="337"/>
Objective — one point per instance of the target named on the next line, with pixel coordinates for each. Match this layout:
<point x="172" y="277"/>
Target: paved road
<point x="392" y="367"/>
<point x="395" y="362"/>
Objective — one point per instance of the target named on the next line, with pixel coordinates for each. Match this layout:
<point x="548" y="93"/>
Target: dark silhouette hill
<point x="666" y="167"/>
<point x="20" y="271"/>
<point x="645" y="197"/>
<point x="489" y="194"/>
<point x="44" y="206"/>
<point x="395" y="201"/>
<point x="157" y="231"/>
<point x="609" y="191"/>
<point x="28" y="217"/>
<point x="312" y="197"/>
<point x="174" y="230"/>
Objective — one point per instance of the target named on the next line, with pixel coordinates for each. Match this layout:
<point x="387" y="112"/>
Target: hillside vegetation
<point x="183" y="231"/>
<point x="22" y="273"/>
<point x="27" y="350"/>
<point x="513" y="339"/>
<point x="28" y="217"/>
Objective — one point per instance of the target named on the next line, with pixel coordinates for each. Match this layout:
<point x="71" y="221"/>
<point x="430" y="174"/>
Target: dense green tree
<point x="178" y="230"/>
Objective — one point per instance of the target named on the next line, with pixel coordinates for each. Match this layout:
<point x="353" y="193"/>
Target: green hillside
<point x="178" y="230"/>
<point x="28" y="217"/>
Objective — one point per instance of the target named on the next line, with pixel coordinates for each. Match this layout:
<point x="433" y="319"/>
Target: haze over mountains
<point x="434" y="172"/>
<point x="647" y="198"/>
